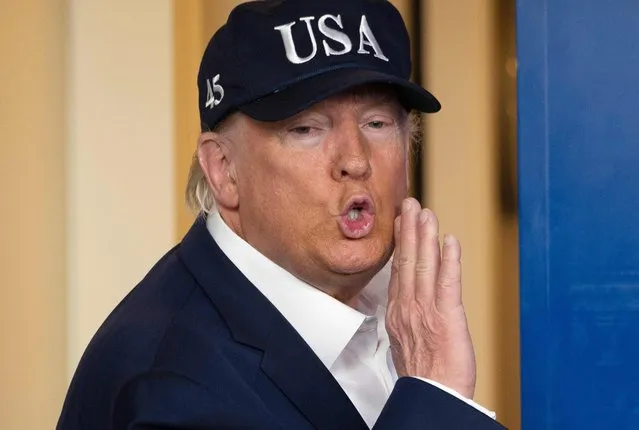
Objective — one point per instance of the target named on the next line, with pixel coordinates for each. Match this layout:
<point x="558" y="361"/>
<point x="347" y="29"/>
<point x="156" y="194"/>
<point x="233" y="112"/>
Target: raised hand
<point x="425" y="318"/>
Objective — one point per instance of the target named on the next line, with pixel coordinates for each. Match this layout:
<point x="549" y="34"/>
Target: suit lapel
<point x="253" y="320"/>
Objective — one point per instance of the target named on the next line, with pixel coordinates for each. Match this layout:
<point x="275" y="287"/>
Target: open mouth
<point x="357" y="218"/>
<point x="357" y="207"/>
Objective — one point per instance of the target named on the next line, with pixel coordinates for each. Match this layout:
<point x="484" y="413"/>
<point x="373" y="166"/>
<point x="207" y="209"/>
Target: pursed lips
<point x="357" y="217"/>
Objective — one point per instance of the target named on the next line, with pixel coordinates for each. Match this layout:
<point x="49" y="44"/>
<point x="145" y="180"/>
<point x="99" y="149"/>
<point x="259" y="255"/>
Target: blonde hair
<point x="199" y="197"/>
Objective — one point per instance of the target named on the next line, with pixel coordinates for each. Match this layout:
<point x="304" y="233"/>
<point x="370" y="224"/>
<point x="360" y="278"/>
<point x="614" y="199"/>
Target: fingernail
<point x="405" y="206"/>
<point x="423" y="217"/>
<point x="448" y="239"/>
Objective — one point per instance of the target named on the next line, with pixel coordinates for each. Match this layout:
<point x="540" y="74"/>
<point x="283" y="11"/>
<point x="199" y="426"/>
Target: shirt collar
<point x="326" y="324"/>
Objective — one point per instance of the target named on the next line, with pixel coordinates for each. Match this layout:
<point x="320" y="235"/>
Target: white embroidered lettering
<point x="286" y="31"/>
<point x="366" y="37"/>
<point x="214" y="92"/>
<point x="335" y="35"/>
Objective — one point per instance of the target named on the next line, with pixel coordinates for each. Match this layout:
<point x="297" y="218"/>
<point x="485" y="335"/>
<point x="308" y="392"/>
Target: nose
<point x="352" y="154"/>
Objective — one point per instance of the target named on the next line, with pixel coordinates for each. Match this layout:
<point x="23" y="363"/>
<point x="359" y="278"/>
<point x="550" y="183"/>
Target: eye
<point x="376" y="124"/>
<point x="379" y="123"/>
<point x="304" y="134"/>
<point x="301" y="130"/>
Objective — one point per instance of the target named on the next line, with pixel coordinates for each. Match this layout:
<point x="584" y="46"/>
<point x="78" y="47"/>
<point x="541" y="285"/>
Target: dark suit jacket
<point x="196" y="346"/>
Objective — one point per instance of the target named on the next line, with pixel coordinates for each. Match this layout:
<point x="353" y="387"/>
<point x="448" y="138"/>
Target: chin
<point x="358" y="257"/>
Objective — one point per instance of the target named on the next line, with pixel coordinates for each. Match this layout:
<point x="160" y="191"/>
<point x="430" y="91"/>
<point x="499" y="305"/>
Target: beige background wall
<point x="461" y="185"/>
<point x="460" y="171"/>
<point x="32" y="213"/>
<point x="120" y="211"/>
<point x="86" y="159"/>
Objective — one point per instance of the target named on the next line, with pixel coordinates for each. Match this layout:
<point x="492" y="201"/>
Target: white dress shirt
<point x="352" y="343"/>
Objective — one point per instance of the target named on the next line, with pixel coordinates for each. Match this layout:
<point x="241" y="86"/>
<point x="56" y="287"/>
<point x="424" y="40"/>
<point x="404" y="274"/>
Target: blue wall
<point x="578" y="91"/>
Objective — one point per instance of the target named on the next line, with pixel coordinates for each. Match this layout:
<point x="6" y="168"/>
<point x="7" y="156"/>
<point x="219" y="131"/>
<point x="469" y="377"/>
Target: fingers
<point x="408" y="249"/>
<point x="448" y="291"/>
<point x="428" y="256"/>
<point x="420" y="269"/>
<point x="393" y="287"/>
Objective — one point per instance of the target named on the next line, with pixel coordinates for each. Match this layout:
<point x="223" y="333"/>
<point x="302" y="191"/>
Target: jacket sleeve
<point x="166" y="400"/>
<point x="415" y="404"/>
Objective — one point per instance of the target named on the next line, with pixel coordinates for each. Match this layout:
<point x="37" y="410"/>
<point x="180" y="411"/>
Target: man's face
<point x="318" y="193"/>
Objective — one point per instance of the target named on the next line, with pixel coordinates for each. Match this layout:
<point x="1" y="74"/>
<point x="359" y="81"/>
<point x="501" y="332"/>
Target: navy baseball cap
<point x="275" y="58"/>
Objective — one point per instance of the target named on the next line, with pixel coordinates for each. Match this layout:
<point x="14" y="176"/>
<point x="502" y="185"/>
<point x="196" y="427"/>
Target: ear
<point x="215" y="153"/>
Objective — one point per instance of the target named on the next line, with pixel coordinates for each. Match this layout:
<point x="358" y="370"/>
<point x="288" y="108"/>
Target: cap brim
<point x="293" y="99"/>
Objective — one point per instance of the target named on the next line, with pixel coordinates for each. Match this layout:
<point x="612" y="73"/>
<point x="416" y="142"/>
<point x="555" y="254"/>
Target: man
<point x="276" y="310"/>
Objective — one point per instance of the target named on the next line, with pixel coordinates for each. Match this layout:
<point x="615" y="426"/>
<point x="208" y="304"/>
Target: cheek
<point x="284" y="184"/>
<point x="392" y="174"/>
<point x="303" y="176"/>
